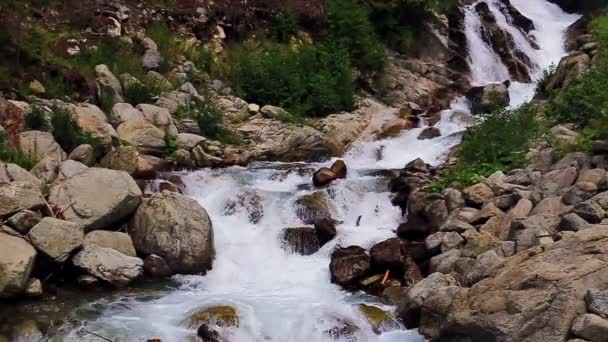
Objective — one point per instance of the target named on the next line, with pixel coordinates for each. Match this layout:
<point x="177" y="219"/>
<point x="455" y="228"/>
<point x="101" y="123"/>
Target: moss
<point x="221" y="315"/>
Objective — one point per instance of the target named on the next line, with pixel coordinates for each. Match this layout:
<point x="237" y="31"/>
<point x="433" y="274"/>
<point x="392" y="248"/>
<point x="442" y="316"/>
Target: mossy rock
<point x="479" y="244"/>
<point x="379" y="319"/>
<point x="220" y="315"/>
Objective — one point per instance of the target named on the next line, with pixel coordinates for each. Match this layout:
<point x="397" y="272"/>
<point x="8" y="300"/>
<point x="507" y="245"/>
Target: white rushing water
<point x="282" y="296"/>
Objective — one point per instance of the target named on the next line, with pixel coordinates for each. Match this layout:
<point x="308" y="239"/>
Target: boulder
<point x="379" y="319"/>
<point x="272" y="112"/>
<point x="484" y="265"/>
<point x="27" y="331"/>
<point x="123" y="158"/>
<point x="453" y="198"/>
<point x="176" y="228"/>
<point x="597" y="302"/>
<point x="87" y="282"/>
<point x="116" y="240"/>
<point x="429" y="133"/>
<point x="124" y="112"/>
<point x="590" y="211"/>
<point x="301" y="240"/>
<point x="326" y="230"/>
<point x="547" y="285"/>
<point x="109" y="265"/>
<point x="24" y="220"/>
<point x="93" y="121"/>
<point x="34" y="288"/>
<point x="84" y="154"/>
<point x="349" y="265"/>
<point x="143" y="135"/>
<point x="38" y="145"/>
<point x="108" y="86"/>
<point x="56" y="239"/>
<point x="96" y="198"/>
<point x="478" y="194"/>
<point x="13" y="172"/>
<point x="572" y="223"/>
<point x="323" y="177"/>
<point x="568" y="69"/>
<point x="155" y="266"/>
<point x="219" y="315"/>
<point x="591" y="327"/>
<point x="204" y="159"/>
<point x="579" y="192"/>
<point x="69" y="169"/>
<point x="489" y="98"/>
<point x="188" y="141"/>
<point x="16" y="264"/>
<point x="46" y="170"/>
<point x="387" y="255"/>
<point x="339" y="169"/>
<point x="159" y="117"/>
<point x="451" y="240"/>
<point x="17" y="196"/>
<point x="313" y="208"/>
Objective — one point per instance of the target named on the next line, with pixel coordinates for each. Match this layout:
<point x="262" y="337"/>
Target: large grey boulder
<point x="108" y="86"/>
<point x="84" y="154"/>
<point x="116" y="240"/>
<point x="13" y="172"/>
<point x="17" y="196"/>
<point x="143" y="135"/>
<point x="55" y="238"/>
<point x="94" y="121"/>
<point x="39" y="145"/>
<point x="176" y="228"/>
<point x="159" y="117"/>
<point x="16" y="264"/>
<point x="109" y="265"/>
<point x="96" y="198"/>
<point x="123" y="112"/>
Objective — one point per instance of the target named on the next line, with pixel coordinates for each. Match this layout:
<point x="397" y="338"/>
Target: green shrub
<point x="209" y="118"/>
<point x="168" y="43"/>
<point x="9" y="154"/>
<point x="599" y="29"/>
<point x="284" y="26"/>
<point x="310" y="81"/>
<point x="68" y="135"/>
<point x="351" y="29"/>
<point x="171" y="146"/>
<point x="501" y="141"/>
<point x="37" y="120"/>
<point x="138" y="93"/>
<point x="202" y="57"/>
<point x="543" y="82"/>
<point x="118" y="56"/>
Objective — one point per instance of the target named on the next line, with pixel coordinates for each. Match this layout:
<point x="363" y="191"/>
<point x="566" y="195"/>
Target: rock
<point x="27" y="331"/>
<point x="429" y="133"/>
<point x="455" y="224"/>
<point x="580" y="192"/>
<point x="38" y="145"/>
<point x="506" y="202"/>
<point x="155" y="266"/>
<point x="108" y="86"/>
<point x="16" y="264"/>
<point x="272" y="112"/>
<point x="484" y="264"/>
<point x="69" y="169"/>
<point x="36" y="87"/>
<point x="143" y="135"/>
<point x="301" y="240"/>
<point x="578" y="160"/>
<point x="453" y="199"/>
<point x="451" y="240"/>
<point x="561" y="179"/>
<point x="152" y="58"/>
<point x="560" y="274"/>
<point x="24" y="220"/>
<point x="525" y="232"/>
<point x="478" y="194"/>
<point x="591" y="327"/>
<point x="204" y="159"/>
<point x="123" y="158"/>
<point x="522" y="209"/>
<point x="150" y="166"/>
<point x="208" y="334"/>
<point x="445" y="262"/>
<point x="568" y="69"/>
<point x="387" y="255"/>
<point x="487" y="212"/>
<point x="489" y="98"/>
<point x="116" y="240"/>
<point x="87" y="282"/>
<point x="479" y="243"/>
<point x="417" y="166"/>
<point x="177" y="229"/>
<point x="323" y="177"/>
<point x="422" y="291"/>
<point x="220" y="315"/>
<point x="34" y="288"/>
<point x="92" y="120"/>
<point x="46" y="170"/>
<point x="13" y="172"/>
<point x="326" y="230"/>
<point x="379" y="319"/>
<point x="253" y="108"/>
<point x="124" y="112"/>
<point x="188" y="141"/>
<point x="18" y="196"/>
<point x="594" y="176"/>
<point x="590" y="211"/>
<point x="348" y="265"/>
<point x="84" y="154"/>
<point x="56" y="239"/>
<point x="96" y="198"/>
<point x="279" y="141"/>
<point x="432" y="243"/>
<point x="339" y="169"/>
<point x="597" y="302"/>
<point x="109" y="265"/>
<point x="313" y="208"/>
<point x="549" y="206"/>
<point x="159" y="117"/>
<point x="184" y="158"/>
<point x="572" y="223"/>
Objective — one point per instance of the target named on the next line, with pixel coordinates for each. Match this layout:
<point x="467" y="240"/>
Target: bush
<point x="37" y="120"/>
<point x="501" y="141"/>
<point x="138" y="93"/>
<point x="118" y="56"/>
<point x="9" y="154"/>
<point x="599" y="28"/>
<point x="209" y="118"/>
<point x="543" y="82"/>
<point x="169" y="46"/>
<point x="351" y="29"/>
<point x="311" y="81"/>
<point x="69" y="136"/>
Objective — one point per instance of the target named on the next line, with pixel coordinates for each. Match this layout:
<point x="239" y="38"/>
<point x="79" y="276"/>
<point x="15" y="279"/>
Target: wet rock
<point x="387" y="255"/>
<point x="597" y="302"/>
<point x="339" y="168"/>
<point x="176" y="228"/>
<point x="87" y="282"/>
<point x="109" y="265"/>
<point x="24" y="220"/>
<point x="323" y="177"/>
<point x="489" y="98"/>
<point x="16" y="264"/>
<point x="56" y="239"/>
<point x="27" y="331"/>
<point x="301" y="240"/>
<point x="417" y="166"/>
<point x="379" y="319"/>
<point x="34" y="288"/>
<point x="478" y="194"/>
<point x="590" y="211"/>
<point x="251" y="201"/>
<point x="326" y="230"/>
<point x="18" y="196"/>
<point x="313" y="208"/>
<point x="348" y="265"/>
<point x="572" y="222"/>
<point x="96" y="198"/>
<point x="429" y="133"/>
<point x="116" y="240"/>
<point x="38" y="145"/>
<point x="220" y="315"/>
<point x="207" y="334"/>
<point x="591" y="327"/>
<point x="155" y="266"/>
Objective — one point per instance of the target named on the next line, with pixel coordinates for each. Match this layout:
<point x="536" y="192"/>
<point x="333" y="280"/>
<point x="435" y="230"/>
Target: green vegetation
<point x="171" y="146"/>
<point x="499" y="142"/>
<point x="209" y="118"/>
<point x="9" y="154"/>
<point x="168" y="43"/>
<point x="310" y="81"/>
<point x="543" y="82"/>
<point x="37" y="120"/>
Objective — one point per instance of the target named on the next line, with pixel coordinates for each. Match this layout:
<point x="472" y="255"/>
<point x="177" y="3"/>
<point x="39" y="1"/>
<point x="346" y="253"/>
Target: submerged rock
<point x="220" y="315"/>
<point x="379" y="319"/>
<point x="301" y="240"/>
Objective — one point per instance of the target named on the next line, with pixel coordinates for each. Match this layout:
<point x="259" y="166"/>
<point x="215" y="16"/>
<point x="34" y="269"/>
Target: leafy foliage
<point x="209" y="118"/>
<point x="37" y="119"/>
<point x="9" y="154"/>
<point x="545" y="79"/>
<point x="309" y="81"/>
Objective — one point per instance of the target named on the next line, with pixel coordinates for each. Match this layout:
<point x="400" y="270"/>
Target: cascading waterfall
<point x="282" y="296"/>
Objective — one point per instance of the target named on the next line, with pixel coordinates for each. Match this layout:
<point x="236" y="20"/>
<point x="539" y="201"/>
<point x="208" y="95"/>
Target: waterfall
<point x="281" y="296"/>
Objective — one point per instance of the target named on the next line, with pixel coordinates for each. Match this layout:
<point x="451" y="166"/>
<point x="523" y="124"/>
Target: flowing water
<point x="282" y="296"/>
